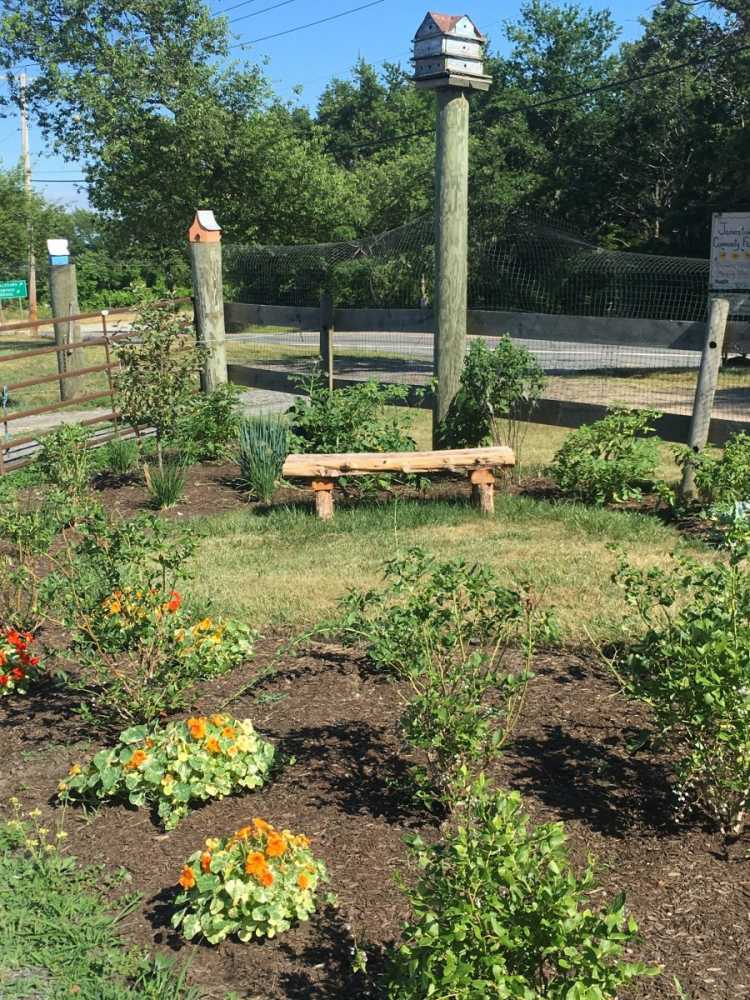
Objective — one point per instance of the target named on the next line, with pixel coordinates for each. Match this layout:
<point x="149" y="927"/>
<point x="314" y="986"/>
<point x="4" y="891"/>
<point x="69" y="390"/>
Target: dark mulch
<point x="689" y="892"/>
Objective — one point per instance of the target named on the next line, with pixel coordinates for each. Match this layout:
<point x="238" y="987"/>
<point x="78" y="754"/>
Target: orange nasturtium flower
<point x="206" y="862"/>
<point x="255" y="864"/>
<point x="197" y="728"/>
<point x="303" y="881"/>
<point x="139" y="757"/>
<point x="276" y="845"/>
<point x="213" y="745"/>
<point x="218" y="720"/>
<point x="261" y="826"/>
<point x="229" y="732"/>
<point x="173" y="604"/>
<point x="244" y="832"/>
<point x="187" y="878"/>
<point x="232" y="751"/>
<point x="266" y="878"/>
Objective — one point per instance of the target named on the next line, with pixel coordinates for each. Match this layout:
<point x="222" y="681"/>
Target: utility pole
<point x="208" y="297"/>
<point x="22" y="81"/>
<point x="448" y="53"/>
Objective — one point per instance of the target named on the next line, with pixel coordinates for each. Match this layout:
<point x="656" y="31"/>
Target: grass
<point x="44" y="364"/>
<point x="57" y="936"/>
<point x="287" y="568"/>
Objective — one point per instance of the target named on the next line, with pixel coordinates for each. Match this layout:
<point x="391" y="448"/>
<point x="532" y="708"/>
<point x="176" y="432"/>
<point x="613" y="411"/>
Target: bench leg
<point x="483" y="490"/>
<point x="323" y="490"/>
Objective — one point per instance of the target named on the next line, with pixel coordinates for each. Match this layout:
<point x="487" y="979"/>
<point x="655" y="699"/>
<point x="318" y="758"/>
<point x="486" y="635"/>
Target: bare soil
<point x="334" y="721"/>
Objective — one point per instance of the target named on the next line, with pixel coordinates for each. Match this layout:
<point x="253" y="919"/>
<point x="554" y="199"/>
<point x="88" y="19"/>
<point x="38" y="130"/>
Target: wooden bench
<point x="322" y="471"/>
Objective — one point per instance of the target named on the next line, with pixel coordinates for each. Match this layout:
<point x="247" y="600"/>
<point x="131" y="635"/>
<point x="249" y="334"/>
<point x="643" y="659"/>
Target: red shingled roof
<point x="446" y="22"/>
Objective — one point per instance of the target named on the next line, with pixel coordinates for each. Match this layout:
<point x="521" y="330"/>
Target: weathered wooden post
<point x="63" y="291"/>
<point x="326" y="336"/>
<point x="706" y="388"/>
<point x="448" y="52"/>
<point x="208" y="297"/>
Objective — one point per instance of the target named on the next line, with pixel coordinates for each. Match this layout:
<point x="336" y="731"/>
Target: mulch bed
<point x="327" y="709"/>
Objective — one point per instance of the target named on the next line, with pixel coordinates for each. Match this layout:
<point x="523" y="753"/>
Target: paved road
<point x="563" y="356"/>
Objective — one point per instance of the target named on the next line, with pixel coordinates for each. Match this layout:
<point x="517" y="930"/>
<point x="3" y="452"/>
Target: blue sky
<point x="309" y="58"/>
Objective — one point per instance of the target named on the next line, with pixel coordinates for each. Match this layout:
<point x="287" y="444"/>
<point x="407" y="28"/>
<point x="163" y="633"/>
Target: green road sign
<point x="13" y="289"/>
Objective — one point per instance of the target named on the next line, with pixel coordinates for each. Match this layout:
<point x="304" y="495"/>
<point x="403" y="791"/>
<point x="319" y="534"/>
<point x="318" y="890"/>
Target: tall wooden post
<point x="208" y="297"/>
<point x="448" y="52"/>
<point x="326" y="336"/>
<point x="706" y="388"/>
<point x="63" y="292"/>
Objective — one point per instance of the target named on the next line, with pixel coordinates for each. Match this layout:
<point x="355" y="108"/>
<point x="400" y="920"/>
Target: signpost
<point x="730" y="259"/>
<point x="13" y="289"/>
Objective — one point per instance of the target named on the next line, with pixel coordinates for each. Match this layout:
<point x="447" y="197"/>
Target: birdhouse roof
<point x="459" y="25"/>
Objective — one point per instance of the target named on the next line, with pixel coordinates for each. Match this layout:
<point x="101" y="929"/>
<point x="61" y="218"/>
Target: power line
<point x="311" y="24"/>
<point x="263" y="10"/>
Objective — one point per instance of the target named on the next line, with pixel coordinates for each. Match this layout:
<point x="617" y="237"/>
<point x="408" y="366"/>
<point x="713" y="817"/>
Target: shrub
<point x="351" y="419"/>
<point x="20" y="668"/>
<point x="264" y="446"/>
<point x="722" y="480"/>
<point x="448" y="630"/>
<point x="691" y="665"/>
<point x="253" y="884"/>
<point x="208" y="427"/>
<point x="499" y="389"/>
<point x="173" y="767"/>
<point x="498" y="911"/>
<point x="609" y="460"/>
<point x="119" y="456"/>
<point x="65" y="460"/>
<point x="166" y="484"/>
<point x="28" y="535"/>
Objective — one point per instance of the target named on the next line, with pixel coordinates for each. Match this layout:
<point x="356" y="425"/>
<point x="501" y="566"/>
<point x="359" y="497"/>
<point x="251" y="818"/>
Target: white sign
<point x="730" y="252"/>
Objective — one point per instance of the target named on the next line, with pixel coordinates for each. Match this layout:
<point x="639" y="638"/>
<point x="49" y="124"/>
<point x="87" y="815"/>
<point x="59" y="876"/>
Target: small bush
<point x="448" y="630"/>
<point x="174" y="767"/>
<point x="27" y="534"/>
<point x="119" y="456"/>
<point x="208" y="428"/>
<point x="166" y="485"/>
<point x="499" y="389"/>
<point x="610" y="460"/>
<point x="20" y="667"/>
<point x="351" y="419"/>
<point x="499" y="912"/>
<point x="65" y="460"/>
<point x="724" y="480"/>
<point x="689" y="664"/>
<point x="253" y="884"/>
<point x="264" y="446"/>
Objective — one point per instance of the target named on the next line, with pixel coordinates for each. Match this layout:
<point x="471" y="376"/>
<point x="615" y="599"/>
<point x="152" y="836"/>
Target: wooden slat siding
<point x="560" y="413"/>
<point x="677" y="334"/>
<point x="238" y="315"/>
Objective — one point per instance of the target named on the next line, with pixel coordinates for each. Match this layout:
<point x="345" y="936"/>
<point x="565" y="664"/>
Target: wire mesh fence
<point x="521" y="271"/>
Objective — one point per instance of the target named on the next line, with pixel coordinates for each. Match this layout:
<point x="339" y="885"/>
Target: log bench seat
<point x="322" y="471"/>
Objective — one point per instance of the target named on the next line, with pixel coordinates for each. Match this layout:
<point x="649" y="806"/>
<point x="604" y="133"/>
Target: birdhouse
<point x="449" y="52"/>
<point x="58" y="251"/>
<point x="205" y="228"/>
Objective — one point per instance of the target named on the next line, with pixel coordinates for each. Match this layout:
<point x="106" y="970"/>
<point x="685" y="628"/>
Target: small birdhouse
<point x="58" y="252"/>
<point x="449" y="52"/>
<point x="205" y="228"/>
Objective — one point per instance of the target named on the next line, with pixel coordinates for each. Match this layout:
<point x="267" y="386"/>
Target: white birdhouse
<point x="449" y="52"/>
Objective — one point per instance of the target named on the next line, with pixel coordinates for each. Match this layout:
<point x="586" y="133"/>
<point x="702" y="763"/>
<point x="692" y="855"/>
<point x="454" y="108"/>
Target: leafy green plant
<point x="173" y="767"/>
<point x="499" y="389"/>
<point x="721" y="480"/>
<point x="27" y="534"/>
<point x="264" y="446"/>
<point x="448" y="629"/>
<point x="689" y="663"/>
<point x="351" y="419"/>
<point x="119" y="456"/>
<point x="165" y="484"/>
<point x="609" y="460"/>
<point x="498" y="911"/>
<point x="65" y="460"/>
<point x="158" y="372"/>
<point x="207" y="430"/>
<point x="254" y="884"/>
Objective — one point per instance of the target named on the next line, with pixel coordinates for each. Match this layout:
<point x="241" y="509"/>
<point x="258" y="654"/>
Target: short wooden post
<point x="63" y="290"/>
<point x="483" y="489"/>
<point x="326" y="336"/>
<point x="208" y="297"/>
<point x="323" y="490"/>
<point x="706" y="389"/>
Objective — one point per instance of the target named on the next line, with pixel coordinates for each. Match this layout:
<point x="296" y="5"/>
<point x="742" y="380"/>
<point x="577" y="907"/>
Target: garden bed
<point x="328" y="710"/>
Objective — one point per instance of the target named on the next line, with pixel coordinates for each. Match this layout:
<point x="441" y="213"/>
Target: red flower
<point x="15" y="639"/>
<point x="175" y="602"/>
<point x="3" y="680"/>
<point x="34" y="661"/>
<point x="17" y="674"/>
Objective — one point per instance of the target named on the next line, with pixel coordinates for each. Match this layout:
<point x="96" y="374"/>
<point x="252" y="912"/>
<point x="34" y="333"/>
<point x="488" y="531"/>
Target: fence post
<point x="208" y="297"/>
<point x="453" y="85"/>
<point x="706" y="388"/>
<point x="63" y="291"/>
<point x="326" y="336"/>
